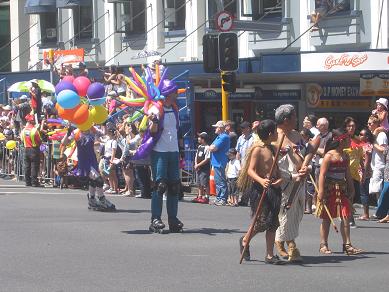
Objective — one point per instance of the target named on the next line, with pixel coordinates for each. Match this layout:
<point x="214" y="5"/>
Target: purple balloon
<point x="168" y="87"/>
<point x="56" y="121"/>
<point x="64" y="85"/>
<point x="95" y="90"/>
<point x="163" y="77"/>
<point x="43" y="147"/>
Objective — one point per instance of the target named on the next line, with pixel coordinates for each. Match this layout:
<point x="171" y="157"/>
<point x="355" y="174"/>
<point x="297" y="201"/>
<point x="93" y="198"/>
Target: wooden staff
<point x="325" y="206"/>
<point x="259" y="207"/>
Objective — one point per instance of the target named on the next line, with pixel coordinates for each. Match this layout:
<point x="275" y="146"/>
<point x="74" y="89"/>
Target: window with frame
<point x="83" y="22"/>
<point x="258" y="9"/>
<point x="175" y="13"/>
<point x="48" y="24"/>
<point x="331" y="7"/>
<point x="130" y="17"/>
<point x="216" y="6"/>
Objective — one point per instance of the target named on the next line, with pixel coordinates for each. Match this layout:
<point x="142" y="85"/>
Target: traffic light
<point x="228" y="52"/>
<point x="210" y="52"/>
<point x="229" y="81"/>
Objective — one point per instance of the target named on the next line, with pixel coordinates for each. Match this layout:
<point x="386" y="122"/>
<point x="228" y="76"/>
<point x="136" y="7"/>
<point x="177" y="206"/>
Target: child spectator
<point x="202" y="168"/>
<point x="232" y="172"/>
<point x="382" y="112"/>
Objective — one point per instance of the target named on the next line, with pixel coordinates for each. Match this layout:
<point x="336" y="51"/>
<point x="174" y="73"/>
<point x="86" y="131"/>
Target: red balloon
<point x="80" y="115"/>
<point x="68" y="78"/>
<point x="81" y="83"/>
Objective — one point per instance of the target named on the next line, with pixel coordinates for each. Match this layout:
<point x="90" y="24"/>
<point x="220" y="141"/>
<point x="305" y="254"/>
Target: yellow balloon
<point x="10" y="145"/>
<point x="99" y="114"/>
<point x="87" y="125"/>
<point x="143" y="123"/>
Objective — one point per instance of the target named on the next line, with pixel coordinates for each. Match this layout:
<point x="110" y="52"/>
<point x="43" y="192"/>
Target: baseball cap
<point x="203" y="135"/>
<point x="245" y="125"/>
<point x="219" y="124"/>
<point x="29" y="118"/>
<point x="383" y="101"/>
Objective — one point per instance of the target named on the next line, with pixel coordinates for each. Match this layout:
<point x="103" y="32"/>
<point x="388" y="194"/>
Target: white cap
<point x="383" y="101"/>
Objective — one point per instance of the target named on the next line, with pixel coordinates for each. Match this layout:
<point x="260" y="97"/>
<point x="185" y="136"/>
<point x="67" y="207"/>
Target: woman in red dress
<point x="336" y="189"/>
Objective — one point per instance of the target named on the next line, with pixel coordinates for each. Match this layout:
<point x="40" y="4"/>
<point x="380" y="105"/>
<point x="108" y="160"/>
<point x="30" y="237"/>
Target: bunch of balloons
<point x="81" y="102"/>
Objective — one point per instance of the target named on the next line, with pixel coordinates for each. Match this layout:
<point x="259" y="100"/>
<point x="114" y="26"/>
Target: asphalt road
<point x="51" y="242"/>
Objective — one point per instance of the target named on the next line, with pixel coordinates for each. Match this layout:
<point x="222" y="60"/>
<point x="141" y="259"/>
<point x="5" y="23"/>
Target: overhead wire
<point x="329" y="12"/>
<point x="134" y="41"/>
<point x="14" y="39"/>
<point x="26" y="50"/>
<point x="379" y="23"/>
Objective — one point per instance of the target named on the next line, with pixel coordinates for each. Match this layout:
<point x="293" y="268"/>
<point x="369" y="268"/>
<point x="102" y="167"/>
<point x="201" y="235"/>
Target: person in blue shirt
<point x="219" y="159"/>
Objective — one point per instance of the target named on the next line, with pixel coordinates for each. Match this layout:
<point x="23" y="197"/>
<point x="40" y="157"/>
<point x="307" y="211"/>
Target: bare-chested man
<point x="254" y="179"/>
<point x="294" y="168"/>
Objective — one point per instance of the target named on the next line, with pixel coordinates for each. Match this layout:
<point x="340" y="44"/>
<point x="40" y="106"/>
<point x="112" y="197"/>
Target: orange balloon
<point x="81" y="114"/>
<point x="66" y="114"/>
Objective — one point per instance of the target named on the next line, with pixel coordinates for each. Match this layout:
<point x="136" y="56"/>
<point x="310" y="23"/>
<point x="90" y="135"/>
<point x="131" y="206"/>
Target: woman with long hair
<point x="336" y="190"/>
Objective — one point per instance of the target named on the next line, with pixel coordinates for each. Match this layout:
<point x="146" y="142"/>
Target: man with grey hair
<point x="294" y="168"/>
<point x="322" y="125"/>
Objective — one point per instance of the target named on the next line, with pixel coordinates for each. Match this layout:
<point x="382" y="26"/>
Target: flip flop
<point x="383" y="221"/>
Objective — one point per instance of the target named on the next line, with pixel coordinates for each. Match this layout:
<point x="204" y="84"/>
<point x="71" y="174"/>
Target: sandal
<point x="324" y="248"/>
<point x="246" y="255"/>
<point x="363" y="218"/>
<point x="383" y="220"/>
<point x="350" y="250"/>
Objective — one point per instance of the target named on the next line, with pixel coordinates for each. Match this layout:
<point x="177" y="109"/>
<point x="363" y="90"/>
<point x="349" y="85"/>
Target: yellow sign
<point x="345" y="104"/>
<point x="374" y="84"/>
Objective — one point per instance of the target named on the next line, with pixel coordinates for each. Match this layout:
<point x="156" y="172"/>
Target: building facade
<point x="278" y="47"/>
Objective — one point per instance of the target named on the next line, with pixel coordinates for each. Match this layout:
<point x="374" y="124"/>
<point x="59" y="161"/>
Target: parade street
<point x="51" y="242"/>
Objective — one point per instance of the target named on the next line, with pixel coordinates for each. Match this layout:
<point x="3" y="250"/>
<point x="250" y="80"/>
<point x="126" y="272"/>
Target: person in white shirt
<point x="232" y="173"/>
<point x="242" y="145"/>
<point x="377" y="157"/>
<point x="110" y="149"/>
<point x="165" y="159"/>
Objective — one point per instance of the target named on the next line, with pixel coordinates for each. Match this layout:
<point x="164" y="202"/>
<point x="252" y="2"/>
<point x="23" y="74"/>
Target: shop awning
<point x="39" y="6"/>
<point x="73" y="3"/>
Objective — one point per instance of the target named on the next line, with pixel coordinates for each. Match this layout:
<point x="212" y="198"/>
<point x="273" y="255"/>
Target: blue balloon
<point x="95" y="90"/>
<point x="64" y="85"/>
<point x="68" y="99"/>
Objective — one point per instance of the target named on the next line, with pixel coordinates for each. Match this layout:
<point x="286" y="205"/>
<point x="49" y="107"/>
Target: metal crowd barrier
<point x="188" y="174"/>
<point x="12" y="162"/>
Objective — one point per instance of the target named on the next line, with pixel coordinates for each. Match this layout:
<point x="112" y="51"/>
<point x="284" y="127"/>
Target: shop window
<point x="215" y="6"/>
<point x="258" y="9"/>
<point x="48" y="24"/>
<point x="331" y="7"/>
<point x="130" y="17"/>
<point x="175" y="14"/>
<point x="5" y="38"/>
<point x="83" y="22"/>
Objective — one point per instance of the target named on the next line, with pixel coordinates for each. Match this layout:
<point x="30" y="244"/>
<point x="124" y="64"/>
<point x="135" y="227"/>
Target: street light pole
<point x="225" y="115"/>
